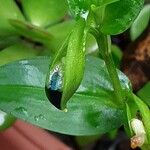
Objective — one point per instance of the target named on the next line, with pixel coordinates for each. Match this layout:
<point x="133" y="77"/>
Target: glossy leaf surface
<point x="8" y="10"/>
<point x="15" y="52"/>
<point x="119" y="16"/>
<point x="44" y="12"/>
<point x="140" y="23"/>
<point x="90" y="110"/>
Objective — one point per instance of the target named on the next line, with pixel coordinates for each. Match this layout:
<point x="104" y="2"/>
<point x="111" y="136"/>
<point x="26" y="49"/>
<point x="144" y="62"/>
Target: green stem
<point x="104" y="44"/>
<point x="146" y="147"/>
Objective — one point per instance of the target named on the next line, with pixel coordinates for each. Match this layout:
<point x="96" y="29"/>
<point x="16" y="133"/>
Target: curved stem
<point x="104" y="43"/>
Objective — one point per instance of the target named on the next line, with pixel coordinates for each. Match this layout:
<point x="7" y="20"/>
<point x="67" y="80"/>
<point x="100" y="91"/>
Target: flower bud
<point x="140" y="135"/>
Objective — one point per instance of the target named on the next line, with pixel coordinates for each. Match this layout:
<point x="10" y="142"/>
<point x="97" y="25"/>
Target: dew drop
<point x="39" y="117"/>
<point x="22" y="110"/>
<point x="36" y="118"/>
<point x="65" y="110"/>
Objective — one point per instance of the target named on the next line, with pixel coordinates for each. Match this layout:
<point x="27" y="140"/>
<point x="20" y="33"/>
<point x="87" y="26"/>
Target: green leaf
<point x="90" y="109"/>
<point x="140" y="23"/>
<point x="8" y="10"/>
<point x="32" y="32"/>
<point x="79" y="8"/>
<point x="16" y="52"/>
<point x="119" y="16"/>
<point x="115" y="16"/>
<point x="74" y="62"/>
<point x="144" y="93"/>
<point x="44" y="12"/>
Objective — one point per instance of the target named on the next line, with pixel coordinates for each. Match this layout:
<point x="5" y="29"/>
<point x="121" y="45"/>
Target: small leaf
<point x="90" y="110"/>
<point x="140" y="23"/>
<point x="8" y="10"/>
<point x="44" y="12"/>
<point x="119" y="16"/>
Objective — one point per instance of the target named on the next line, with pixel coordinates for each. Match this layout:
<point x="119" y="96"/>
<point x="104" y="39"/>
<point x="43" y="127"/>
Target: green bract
<point x="90" y="110"/>
<point x="63" y="75"/>
<point x="74" y="61"/>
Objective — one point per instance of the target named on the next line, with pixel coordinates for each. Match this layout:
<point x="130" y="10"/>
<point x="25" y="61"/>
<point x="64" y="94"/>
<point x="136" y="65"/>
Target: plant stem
<point x="146" y="147"/>
<point x="104" y="44"/>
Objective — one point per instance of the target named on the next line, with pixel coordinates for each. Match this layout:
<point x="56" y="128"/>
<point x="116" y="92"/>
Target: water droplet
<point x="36" y="118"/>
<point x="65" y="110"/>
<point x="84" y="14"/>
<point x="42" y="117"/>
<point x="39" y="117"/>
<point x="22" y="110"/>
